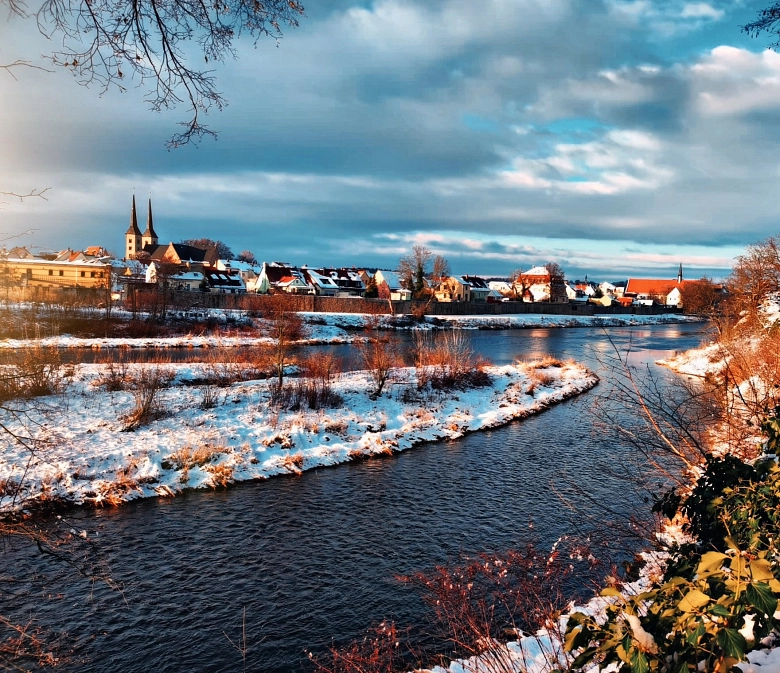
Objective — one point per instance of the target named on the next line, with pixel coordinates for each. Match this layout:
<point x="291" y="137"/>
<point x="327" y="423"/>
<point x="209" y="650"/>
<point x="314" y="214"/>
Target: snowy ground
<point x="332" y="328"/>
<point x="84" y="454"/>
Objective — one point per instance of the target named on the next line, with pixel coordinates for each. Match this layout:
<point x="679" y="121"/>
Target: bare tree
<point x="440" y="268"/>
<point x="520" y="284"/>
<point x="414" y="268"/>
<point x="107" y="43"/>
<point x="248" y="257"/>
<point x="755" y="275"/>
<point x="285" y="326"/>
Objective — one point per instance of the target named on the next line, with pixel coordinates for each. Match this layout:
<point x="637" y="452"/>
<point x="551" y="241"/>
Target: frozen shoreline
<point x="344" y="328"/>
<point x="85" y="456"/>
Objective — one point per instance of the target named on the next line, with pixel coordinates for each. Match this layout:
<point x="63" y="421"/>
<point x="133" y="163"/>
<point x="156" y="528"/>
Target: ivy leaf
<point x="639" y="662"/>
<point x="762" y="598"/>
<point x="693" y="636"/>
<point x="719" y="610"/>
<point x="761" y="570"/>
<point x="710" y="561"/>
<point x="732" y="643"/>
<point x="610" y="591"/>
<point x="693" y="600"/>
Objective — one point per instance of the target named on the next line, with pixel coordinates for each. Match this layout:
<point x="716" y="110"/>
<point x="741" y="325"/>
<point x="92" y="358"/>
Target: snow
<point x="83" y="456"/>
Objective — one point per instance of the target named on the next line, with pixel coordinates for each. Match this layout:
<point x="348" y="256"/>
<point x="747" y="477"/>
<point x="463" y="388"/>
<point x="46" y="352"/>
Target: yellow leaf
<point x="761" y="570"/>
<point x="693" y="600"/>
<point x="710" y="561"/>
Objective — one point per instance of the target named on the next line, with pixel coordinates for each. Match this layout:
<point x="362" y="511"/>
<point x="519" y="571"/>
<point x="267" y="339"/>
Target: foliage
<point x="107" y="43"/>
<point x="223" y="250"/>
<point x="248" y="257"/>
<point x="755" y="275"/>
<point x="718" y="596"/>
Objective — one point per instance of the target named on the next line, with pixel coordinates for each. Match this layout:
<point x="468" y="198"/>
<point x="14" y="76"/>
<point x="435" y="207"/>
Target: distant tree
<point x="372" y="291"/>
<point x="414" y="268"/>
<point x="223" y="251"/>
<point x="701" y="297"/>
<point x="755" y="274"/>
<point x="441" y="268"/>
<point x="557" y="282"/>
<point x="247" y="257"/>
<point x="520" y="284"/>
<point x="163" y="272"/>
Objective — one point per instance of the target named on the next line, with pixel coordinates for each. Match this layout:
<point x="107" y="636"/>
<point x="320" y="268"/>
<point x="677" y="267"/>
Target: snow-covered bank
<point x="342" y="328"/>
<point x="85" y="456"/>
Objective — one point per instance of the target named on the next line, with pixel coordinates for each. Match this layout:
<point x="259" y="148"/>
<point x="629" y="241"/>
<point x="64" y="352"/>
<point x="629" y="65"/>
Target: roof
<point x="476" y="282"/>
<point x="652" y="286"/>
<point x="133" y="228"/>
<point x="536" y="271"/>
<point x="391" y="278"/>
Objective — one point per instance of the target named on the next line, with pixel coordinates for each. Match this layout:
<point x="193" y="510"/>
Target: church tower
<point x="149" y="237"/>
<point x="133" y="244"/>
<point x="679" y="274"/>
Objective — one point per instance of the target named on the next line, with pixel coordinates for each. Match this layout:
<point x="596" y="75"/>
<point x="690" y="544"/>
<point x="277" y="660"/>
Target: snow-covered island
<point x="87" y="450"/>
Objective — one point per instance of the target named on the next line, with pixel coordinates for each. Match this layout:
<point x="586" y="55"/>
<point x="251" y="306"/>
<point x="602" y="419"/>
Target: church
<point x="146" y="247"/>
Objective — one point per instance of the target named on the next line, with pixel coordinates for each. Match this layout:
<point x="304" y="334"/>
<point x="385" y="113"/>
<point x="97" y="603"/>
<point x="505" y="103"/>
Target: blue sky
<point x="615" y="137"/>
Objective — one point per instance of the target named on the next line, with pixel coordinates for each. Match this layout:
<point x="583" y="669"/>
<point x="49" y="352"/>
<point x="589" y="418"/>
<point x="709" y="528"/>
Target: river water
<point x="313" y="559"/>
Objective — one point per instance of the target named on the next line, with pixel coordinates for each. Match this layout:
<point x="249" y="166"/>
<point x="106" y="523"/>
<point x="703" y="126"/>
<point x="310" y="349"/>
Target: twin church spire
<point x="135" y="241"/>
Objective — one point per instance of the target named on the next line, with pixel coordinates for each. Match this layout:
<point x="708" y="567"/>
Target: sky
<point x="617" y="138"/>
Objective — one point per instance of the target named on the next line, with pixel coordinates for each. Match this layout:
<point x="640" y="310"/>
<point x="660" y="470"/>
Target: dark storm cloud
<point x="596" y="120"/>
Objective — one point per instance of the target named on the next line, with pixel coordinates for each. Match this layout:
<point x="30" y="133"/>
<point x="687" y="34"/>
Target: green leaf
<point x="575" y="638"/>
<point x="762" y="597"/>
<point x="639" y="662"/>
<point x="719" y="610"/>
<point x="710" y="561"/>
<point x="693" y="636"/>
<point x="693" y="600"/>
<point x="732" y="643"/>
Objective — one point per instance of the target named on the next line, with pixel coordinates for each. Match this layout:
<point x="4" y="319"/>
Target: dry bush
<point x="146" y="386"/>
<point x="114" y="375"/>
<point x="548" y="361"/>
<point x="32" y="371"/>
<point x="379" y="651"/>
<point x="293" y="462"/>
<point x="221" y="475"/>
<point x="336" y="427"/>
<point x="323" y="367"/>
<point x="304" y="394"/>
<point x="540" y="378"/>
<point x="380" y="356"/>
<point x="447" y="360"/>
<point x="209" y="397"/>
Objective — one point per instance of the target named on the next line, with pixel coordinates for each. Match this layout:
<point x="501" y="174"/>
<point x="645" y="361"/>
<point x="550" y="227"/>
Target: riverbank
<point x="86" y="451"/>
<point x="336" y="328"/>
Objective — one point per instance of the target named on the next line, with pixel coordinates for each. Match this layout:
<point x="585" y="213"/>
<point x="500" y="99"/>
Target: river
<point x="313" y="559"/>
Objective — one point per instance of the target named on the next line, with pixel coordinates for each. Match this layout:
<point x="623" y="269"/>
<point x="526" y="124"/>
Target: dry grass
<point x="293" y="462"/>
<point x="147" y="384"/>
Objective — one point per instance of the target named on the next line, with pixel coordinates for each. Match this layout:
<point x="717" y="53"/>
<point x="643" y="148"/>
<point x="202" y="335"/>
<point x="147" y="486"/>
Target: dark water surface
<point x="313" y="558"/>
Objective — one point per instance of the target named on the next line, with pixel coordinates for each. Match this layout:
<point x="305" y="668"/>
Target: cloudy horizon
<point x="615" y="138"/>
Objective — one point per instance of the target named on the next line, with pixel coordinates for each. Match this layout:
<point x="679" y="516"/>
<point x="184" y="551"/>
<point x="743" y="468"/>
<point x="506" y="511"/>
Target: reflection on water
<point x="313" y="558"/>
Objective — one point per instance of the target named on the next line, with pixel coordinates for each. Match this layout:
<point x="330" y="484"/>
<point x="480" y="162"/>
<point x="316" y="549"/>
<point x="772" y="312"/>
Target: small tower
<point x="149" y="237"/>
<point x="679" y="274"/>
<point x="133" y="244"/>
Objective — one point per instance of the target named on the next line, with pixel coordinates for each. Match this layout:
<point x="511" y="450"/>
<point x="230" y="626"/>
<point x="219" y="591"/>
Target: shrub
<point x="31" y="371"/>
<point x="718" y="596"/>
<point x="146" y="388"/>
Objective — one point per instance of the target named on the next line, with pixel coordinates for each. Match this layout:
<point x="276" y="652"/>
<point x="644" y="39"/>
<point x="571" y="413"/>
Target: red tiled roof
<point x="651" y="286"/>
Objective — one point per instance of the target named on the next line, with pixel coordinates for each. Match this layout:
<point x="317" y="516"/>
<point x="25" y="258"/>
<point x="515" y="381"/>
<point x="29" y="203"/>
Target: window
<point x="62" y="273"/>
<point x="83" y="274"/>
<point x="91" y="274"/>
<point x="51" y="273"/>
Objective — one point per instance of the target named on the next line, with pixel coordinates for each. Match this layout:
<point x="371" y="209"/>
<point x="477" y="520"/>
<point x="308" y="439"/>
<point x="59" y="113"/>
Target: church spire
<point x="679" y="274"/>
<point x="133" y="229"/>
<point x="149" y="233"/>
